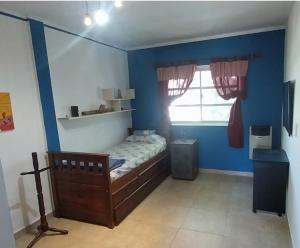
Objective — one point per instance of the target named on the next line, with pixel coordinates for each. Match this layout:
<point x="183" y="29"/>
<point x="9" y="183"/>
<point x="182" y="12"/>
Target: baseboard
<point x="30" y="227"/>
<point x="291" y="231"/>
<point x="227" y="172"/>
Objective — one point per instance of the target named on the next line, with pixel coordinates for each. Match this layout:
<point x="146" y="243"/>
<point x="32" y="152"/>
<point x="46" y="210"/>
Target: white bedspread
<point x="134" y="153"/>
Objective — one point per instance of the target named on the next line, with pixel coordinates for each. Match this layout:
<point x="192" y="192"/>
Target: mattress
<point x="134" y="154"/>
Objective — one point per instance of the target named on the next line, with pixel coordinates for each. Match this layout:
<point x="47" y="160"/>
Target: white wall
<point x="18" y="77"/>
<point x="6" y="232"/>
<point x="79" y="69"/>
<point x="292" y="144"/>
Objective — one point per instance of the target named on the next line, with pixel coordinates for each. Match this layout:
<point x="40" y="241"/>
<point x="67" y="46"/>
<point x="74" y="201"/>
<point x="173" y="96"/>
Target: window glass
<point x="191" y="96"/>
<point x="215" y="113"/>
<point x="211" y="96"/>
<point x="206" y="79"/>
<point x="201" y="102"/>
<point x="173" y="84"/>
<point x="184" y="113"/>
<point x="196" y="80"/>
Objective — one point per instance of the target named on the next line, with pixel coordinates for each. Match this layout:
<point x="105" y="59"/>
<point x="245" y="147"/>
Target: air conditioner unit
<point x="260" y="137"/>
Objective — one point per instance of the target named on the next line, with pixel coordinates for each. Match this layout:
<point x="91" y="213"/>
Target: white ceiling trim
<point x="218" y="36"/>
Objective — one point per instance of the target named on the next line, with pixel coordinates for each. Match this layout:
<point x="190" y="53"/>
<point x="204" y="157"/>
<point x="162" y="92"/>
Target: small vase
<point x="119" y="94"/>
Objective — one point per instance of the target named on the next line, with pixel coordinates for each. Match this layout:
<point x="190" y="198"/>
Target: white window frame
<point x="201" y="123"/>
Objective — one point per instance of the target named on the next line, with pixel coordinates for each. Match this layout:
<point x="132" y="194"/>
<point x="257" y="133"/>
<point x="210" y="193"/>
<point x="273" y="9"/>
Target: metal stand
<point x="43" y="227"/>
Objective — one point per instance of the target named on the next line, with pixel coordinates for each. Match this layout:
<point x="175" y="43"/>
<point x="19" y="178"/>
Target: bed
<point x="85" y="188"/>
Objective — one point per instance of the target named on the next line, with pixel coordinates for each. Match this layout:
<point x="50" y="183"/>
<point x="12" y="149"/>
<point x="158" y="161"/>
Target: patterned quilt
<point x="134" y="153"/>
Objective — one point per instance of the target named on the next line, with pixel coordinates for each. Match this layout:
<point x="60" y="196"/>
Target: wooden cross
<point x="43" y="226"/>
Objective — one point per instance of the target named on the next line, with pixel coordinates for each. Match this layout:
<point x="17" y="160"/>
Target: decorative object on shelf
<point x="114" y="94"/>
<point x="102" y="109"/>
<point x="109" y="94"/>
<point x="43" y="226"/>
<point x="119" y="96"/>
<point x="74" y="111"/>
<point x="116" y="100"/>
<point x="6" y="115"/>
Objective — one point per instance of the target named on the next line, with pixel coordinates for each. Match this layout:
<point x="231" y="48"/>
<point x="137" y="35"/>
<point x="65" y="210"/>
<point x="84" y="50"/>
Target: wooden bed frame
<point x="82" y="188"/>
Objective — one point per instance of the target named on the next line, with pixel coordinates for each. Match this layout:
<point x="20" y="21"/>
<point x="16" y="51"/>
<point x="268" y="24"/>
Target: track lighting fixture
<point x="101" y="17"/>
<point x="118" y="4"/>
<point x="87" y="19"/>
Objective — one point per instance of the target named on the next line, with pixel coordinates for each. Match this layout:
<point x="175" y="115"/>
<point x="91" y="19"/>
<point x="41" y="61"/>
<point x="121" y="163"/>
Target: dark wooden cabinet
<point x="271" y="168"/>
<point x="184" y="159"/>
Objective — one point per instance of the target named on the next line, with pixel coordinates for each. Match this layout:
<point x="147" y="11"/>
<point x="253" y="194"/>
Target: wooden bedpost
<point x="110" y="217"/>
<point x="56" y="212"/>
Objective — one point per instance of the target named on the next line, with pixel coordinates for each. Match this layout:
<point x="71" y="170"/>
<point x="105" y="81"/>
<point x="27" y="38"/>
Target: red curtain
<point x="229" y="79"/>
<point x="173" y="83"/>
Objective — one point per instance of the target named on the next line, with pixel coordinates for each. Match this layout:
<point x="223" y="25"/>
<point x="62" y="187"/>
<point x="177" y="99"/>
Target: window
<point x="201" y="102"/>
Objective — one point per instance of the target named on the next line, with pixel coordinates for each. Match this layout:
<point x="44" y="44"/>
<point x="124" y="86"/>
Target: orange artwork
<point x="6" y="115"/>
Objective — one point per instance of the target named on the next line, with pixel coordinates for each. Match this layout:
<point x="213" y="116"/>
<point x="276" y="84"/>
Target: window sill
<point x="208" y="123"/>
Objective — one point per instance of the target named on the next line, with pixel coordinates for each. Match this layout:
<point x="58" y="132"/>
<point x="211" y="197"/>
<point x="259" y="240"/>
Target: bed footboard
<point x="81" y="187"/>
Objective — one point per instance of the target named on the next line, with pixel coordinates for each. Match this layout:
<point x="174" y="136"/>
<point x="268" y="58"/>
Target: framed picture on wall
<point x="6" y="115"/>
<point x="288" y="106"/>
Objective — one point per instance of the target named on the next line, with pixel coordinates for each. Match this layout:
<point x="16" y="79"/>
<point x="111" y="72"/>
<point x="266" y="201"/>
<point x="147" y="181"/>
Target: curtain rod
<point x="250" y="56"/>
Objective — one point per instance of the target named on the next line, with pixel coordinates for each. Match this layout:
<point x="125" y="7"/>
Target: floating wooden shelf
<point x="94" y="115"/>
<point x="121" y="99"/>
<point x="116" y="101"/>
<point x="113" y="94"/>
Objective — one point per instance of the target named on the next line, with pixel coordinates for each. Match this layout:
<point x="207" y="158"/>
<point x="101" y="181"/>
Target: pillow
<point x="136" y="138"/>
<point x="130" y="138"/>
<point x="154" y="139"/>
<point x="150" y="139"/>
<point x="143" y="132"/>
<point x="139" y="138"/>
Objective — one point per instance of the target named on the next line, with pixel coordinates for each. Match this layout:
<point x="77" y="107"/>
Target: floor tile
<point x="240" y="243"/>
<point x="178" y="197"/>
<point x="212" y="211"/>
<point x="261" y="228"/>
<point x="206" y="221"/>
<point x="155" y="214"/>
<point x="192" y="239"/>
<point x="211" y="201"/>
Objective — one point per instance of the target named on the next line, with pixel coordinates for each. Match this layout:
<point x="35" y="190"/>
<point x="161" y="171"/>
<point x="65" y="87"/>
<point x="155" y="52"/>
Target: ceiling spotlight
<point x="118" y="4"/>
<point x="87" y="20"/>
<point x="101" y="17"/>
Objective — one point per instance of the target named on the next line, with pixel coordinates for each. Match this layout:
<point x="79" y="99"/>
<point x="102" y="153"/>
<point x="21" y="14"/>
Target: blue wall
<point x="264" y="92"/>
<point x="44" y="80"/>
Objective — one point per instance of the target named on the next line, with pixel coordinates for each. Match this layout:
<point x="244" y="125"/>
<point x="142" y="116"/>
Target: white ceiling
<point x="145" y="24"/>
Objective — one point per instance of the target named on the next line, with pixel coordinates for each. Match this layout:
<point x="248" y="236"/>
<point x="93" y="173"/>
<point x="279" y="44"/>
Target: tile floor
<point x="213" y="211"/>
